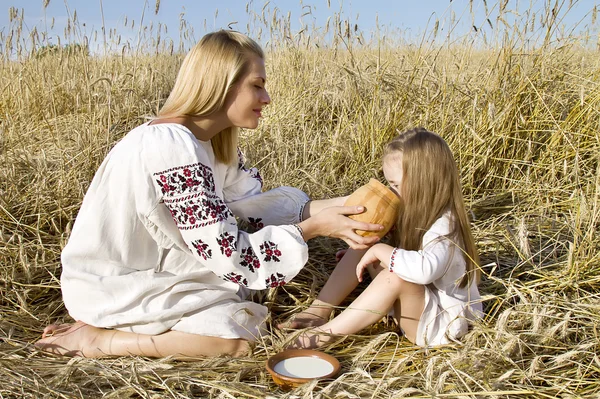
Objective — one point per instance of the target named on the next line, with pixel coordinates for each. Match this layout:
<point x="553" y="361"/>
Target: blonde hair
<point x="208" y="73"/>
<point x="430" y="186"/>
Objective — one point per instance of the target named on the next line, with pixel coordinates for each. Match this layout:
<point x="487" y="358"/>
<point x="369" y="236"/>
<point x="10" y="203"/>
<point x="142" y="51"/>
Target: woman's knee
<point x="237" y="347"/>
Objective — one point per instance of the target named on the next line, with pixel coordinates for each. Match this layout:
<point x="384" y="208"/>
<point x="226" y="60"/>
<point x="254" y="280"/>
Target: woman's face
<point x="392" y="170"/>
<point x="244" y="104"/>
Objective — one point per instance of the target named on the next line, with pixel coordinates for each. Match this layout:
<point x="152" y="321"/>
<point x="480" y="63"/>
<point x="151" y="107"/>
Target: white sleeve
<point x="430" y="263"/>
<point x="242" y="194"/>
<point x="183" y="178"/>
<point x="423" y="266"/>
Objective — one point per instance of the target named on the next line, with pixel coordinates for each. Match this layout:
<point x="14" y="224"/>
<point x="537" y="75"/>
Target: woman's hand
<point x="377" y="253"/>
<point x="313" y="207"/>
<point x="333" y="222"/>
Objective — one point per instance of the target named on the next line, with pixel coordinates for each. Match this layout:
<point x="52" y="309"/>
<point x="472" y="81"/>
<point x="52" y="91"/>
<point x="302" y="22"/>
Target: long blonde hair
<point x="208" y="73"/>
<point x="430" y="186"/>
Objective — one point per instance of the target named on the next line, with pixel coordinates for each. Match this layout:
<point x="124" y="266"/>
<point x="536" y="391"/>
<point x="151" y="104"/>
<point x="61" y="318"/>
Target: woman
<point x="156" y="265"/>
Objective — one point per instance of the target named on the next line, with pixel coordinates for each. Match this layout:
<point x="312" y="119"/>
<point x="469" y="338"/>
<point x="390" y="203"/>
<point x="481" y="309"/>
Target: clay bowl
<point x="382" y="206"/>
<point x="287" y="367"/>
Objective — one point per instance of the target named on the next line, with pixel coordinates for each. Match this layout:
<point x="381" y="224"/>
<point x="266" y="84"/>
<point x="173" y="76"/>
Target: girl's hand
<point x="377" y="253"/>
<point x="368" y="258"/>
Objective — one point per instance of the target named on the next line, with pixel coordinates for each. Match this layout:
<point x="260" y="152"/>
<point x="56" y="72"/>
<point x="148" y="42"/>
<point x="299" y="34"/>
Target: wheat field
<point x="522" y="117"/>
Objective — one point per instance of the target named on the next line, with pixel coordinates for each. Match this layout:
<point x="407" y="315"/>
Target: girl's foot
<point x="312" y="339"/>
<point x="303" y="319"/>
<point x="75" y="340"/>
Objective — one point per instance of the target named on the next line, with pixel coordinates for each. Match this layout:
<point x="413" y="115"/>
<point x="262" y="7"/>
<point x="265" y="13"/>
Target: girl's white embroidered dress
<point x="439" y="266"/>
<point x="156" y="246"/>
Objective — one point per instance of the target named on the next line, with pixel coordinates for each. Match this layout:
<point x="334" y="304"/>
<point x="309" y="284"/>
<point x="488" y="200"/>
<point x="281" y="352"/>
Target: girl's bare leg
<point x="386" y="290"/>
<point x="80" y="339"/>
<point x="339" y="285"/>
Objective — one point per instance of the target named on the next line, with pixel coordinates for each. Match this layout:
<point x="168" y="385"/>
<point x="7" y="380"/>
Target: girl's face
<point x="392" y="170"/>
<point x="244" y="104"/>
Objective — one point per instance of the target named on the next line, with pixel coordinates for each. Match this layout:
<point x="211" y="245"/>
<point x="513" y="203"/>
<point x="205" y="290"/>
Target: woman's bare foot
<point x="53" y="329"/>
<point x="75" y="340"/>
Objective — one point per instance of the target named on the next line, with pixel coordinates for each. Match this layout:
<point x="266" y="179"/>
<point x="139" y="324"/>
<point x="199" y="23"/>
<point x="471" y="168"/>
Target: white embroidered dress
<point x="156" y="246"/>
<point x="439" y="266"/>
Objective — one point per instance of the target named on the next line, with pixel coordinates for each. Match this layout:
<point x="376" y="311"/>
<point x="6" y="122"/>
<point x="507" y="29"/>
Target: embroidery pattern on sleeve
<point x="227" y="244"/>
<point x="236" y="278"/>
<point x="186" y="179"/>
<point x="275" y="280"/>
<point x="393" y="260"/>
<point x="202" y="249"/>
<point x="249" y="259"/>
<point x="189" y="194"/>
<point x="256" y="223"/>
<point x="270" y="251"/>
<point x="301" y="212"/>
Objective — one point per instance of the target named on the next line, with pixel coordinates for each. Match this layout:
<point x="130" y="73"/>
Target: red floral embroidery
<point x="249" y="259"/>
<point x="241" y="160"/>
<point x="392" y="260"/>
<point x="236" y="278"/>
<point x="276" y="280"/>
<point x="202" y="249"/>
<point x="197" y="210"/>
<point x="186" y="179"/>
<point x="256" y="223"/>
<point x="227" y="244"/>
<point x="270" y="251"/>
<point x="253" y="172"/>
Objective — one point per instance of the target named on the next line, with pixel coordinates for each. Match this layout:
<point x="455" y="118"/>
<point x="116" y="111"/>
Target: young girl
<point x="429" y="276"/>
<point x="156" y="265"/>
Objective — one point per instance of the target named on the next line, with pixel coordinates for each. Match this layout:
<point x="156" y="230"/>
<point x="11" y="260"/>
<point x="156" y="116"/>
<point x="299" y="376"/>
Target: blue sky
<point x="411" y="18"/>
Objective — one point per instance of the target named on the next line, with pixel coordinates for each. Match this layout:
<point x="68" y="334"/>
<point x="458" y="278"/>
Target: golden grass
<point x="522" y="122"/>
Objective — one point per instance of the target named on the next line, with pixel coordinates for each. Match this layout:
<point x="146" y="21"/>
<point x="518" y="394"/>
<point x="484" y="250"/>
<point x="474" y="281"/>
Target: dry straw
<point x="517" y="101"/>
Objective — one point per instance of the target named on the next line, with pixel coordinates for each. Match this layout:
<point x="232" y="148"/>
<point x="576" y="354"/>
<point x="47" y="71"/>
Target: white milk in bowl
<point x="303" y="367"/>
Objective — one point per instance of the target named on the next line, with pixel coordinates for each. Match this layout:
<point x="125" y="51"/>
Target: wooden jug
<point x="381" y="204"/>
